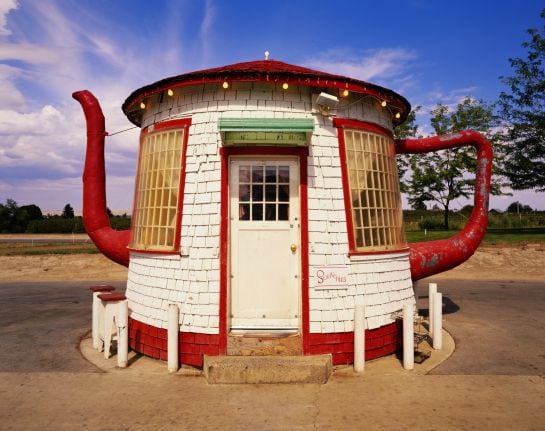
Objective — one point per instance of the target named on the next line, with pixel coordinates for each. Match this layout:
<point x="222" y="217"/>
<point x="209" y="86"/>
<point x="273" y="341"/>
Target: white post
<point x="408" y="337"/>
<point x="173" y="333"/>
<point x="95" y="320"/>
<point x="432" y="290"/>
<point x="438" y="321"/>
<point x="359" y="338"/>
<point x="123" y="334"/>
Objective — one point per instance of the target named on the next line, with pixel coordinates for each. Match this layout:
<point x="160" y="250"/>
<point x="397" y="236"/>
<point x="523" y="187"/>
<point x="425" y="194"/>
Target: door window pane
<point x="270" y="212"/>
<point x="244" y="192"/>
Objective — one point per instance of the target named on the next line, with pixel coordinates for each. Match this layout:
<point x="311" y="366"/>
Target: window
<point x="158" y="191"/>
<point x="375" y="218"/>
<point x="264" y="192"/>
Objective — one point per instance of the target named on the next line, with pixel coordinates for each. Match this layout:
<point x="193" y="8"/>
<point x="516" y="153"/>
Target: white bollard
<point x="408" y="337"/>
<point x="123" y="334"/>
<point x="359" y="338"/>
<point x="432" y="290"/>
<point x="438" y="321"/>
<point x="95" y="320"/>
<point x="173" y="333"/>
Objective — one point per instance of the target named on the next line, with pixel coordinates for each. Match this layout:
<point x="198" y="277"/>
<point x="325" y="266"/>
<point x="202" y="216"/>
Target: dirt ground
<point x="488" y="263"/>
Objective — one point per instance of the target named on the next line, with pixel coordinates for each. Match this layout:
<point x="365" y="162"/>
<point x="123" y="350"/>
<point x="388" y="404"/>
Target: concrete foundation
<point x="267" y="369"/>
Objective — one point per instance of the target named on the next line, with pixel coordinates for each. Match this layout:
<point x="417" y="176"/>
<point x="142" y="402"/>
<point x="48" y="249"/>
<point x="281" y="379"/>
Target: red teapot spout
<point x="112" y="243"/>
<point x="429" y="258"/>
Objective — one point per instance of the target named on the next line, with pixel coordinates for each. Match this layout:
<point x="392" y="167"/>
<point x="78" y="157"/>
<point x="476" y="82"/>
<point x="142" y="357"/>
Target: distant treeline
<point x="433" y="220"/>
<point x="29" y="219"/>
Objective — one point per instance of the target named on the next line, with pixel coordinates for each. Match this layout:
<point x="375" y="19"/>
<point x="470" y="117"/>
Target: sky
<point x="430" y="51"/>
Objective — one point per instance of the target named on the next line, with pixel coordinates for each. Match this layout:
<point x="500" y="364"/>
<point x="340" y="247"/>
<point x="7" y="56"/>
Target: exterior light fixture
<point x="345" y="93"/>
<point x="383" y="103"/>
<point x="398" y="115"/>
<point x="285" y="85"/>
<point x="225" y="85"/>
<point x="170" y="92"/>
<point x="142" y="105"/>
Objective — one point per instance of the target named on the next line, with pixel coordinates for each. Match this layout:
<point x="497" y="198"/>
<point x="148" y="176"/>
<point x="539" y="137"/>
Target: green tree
<point x="443" y="176"/>
<point x="68" y="211"/>
<point x="34" y="212"/>
<point x="13" y="219"/>
<point x="408" y="129"/>
<point x="517" y="207"/>
<point x="523" y="109"/>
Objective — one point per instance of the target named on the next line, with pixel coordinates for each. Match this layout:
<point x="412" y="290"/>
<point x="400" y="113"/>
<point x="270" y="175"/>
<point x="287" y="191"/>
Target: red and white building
<point x="267" y="206"/>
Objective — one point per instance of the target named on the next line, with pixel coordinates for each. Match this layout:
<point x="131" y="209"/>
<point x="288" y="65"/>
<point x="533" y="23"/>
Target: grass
<point x="507" y="237"/>
<point x="27" y="249"/>
<point x="503" y="237"/>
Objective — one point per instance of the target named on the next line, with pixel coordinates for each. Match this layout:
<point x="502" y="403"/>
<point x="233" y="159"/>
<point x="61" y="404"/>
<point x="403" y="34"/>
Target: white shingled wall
<point x="382" y="282"/>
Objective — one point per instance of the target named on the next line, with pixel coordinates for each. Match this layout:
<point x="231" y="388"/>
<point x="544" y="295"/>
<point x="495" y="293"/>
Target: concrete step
<point x="267" y="369"/>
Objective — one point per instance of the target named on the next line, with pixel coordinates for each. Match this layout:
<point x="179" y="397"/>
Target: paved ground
<point x="494" y="380"/>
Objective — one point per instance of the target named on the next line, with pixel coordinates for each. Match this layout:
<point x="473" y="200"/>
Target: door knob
<point x="293" y="248"/>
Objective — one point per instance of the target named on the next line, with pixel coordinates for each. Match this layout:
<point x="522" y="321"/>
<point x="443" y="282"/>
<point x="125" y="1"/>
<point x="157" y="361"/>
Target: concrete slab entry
<point x="267" y="369"/>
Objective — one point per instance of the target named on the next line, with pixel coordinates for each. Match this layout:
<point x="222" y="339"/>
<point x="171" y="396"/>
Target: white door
<point x="264" y="245"/>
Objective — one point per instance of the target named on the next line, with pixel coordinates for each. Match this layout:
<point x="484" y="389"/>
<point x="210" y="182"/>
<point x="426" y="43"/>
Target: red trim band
<point x="152" y="341"/>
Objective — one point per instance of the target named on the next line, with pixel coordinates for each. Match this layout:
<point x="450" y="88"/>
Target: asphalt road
<point x="498" y="327"/>
<point x="44" y="240"/>
<point x="494" y="380"/>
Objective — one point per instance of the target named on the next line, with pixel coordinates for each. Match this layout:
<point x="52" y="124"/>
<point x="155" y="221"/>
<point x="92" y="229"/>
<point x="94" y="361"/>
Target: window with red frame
<point x="157" y="195"/>
<point x="376" y="218"/>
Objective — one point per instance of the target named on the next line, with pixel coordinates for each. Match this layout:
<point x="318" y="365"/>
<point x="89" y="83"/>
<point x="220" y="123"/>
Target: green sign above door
<point x="266" y="131"/>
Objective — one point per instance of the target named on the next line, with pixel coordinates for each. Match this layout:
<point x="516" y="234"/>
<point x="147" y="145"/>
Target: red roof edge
<point x="272" y="71"/>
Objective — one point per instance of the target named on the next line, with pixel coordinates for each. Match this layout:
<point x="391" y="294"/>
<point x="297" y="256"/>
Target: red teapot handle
<point x="432" y="257"/>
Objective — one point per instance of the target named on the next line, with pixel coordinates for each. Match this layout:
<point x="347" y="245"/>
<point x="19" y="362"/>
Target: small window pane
<point x="244" y="212"/>
<point x="257" y="212"/>
<point x="270" y="211"/>
<point x="284" y="193"/>
<point x="270" y="174"/>
<point x="257" y="174"/>
<point x="283" y="174"/>
<point x="244" y="174"/>
<point x="283" y="212"/>
<point x="257" y="192"/>
<point x="270" y="193"/>
<point x="244" y="192"/>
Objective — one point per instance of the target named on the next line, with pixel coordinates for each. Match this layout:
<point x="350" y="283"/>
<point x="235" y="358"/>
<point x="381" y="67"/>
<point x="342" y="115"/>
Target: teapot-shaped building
<point x="267" y="207"/>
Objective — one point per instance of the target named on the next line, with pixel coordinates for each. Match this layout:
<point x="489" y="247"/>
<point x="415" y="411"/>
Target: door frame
<point x="237" y="228"/>
<point x="226" y="153"/>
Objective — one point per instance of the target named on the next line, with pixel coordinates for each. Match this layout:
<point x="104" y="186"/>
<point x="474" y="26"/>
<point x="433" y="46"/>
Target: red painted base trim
<point x="152" y="341"/>
<point x="378" y="342"/>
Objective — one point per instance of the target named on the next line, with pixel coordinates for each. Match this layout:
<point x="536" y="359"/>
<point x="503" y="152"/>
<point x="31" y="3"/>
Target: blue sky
<point x="429" y="51"/>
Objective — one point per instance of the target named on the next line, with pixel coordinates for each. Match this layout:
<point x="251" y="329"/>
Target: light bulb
<point x="383" y="103"/>
<point x="170" y="92"/>
<point x="398" y="115"/>
<point x="345" y="93"/>
<point x="225" y="85"/>
<point x="142" y="105"/>
<point x="285" y="85"/>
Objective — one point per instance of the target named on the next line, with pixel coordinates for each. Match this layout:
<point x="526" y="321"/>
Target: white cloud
<point x="30" y="53"/>
<point x="382" y="66"/>
<point x="5" y="7"/>
<point x="11" y="97"/>
<point x="208" y="19"/>
<point x="60" y="48"/>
